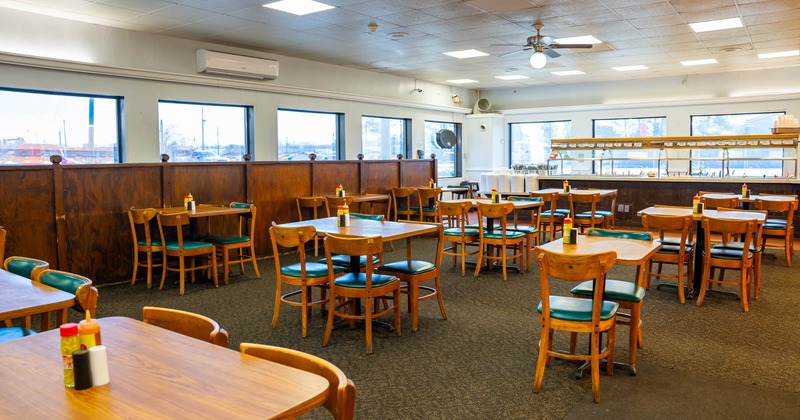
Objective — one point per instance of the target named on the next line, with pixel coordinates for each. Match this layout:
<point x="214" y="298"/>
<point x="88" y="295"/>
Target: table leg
<point x="699" y="248"/>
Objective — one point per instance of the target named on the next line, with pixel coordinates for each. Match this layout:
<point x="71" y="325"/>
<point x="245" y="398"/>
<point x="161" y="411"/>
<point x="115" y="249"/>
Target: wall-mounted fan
<point x="446" y="139"/>
<point x="542" y="45"/>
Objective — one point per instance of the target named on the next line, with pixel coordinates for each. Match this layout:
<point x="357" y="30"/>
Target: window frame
<point x="458" y="161"/>
<point x="596" y="164"/>
<point x="406" y="148"/>
<point x="549" y="142"/>
<point x="339" y="130"/>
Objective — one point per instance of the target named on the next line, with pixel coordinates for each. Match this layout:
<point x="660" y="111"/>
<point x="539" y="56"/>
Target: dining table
<point x="22" y="298"/>
<point x="748" y="201"/>
<point x="371" y="199"/>
<point x="697" y="280"/>
<point x="154" y="373"/>
<point x="630" y="252"/>
<point x="201" y="211"/>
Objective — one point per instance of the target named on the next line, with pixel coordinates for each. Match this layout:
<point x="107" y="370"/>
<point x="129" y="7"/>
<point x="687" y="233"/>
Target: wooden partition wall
<point x="75" y="216"/>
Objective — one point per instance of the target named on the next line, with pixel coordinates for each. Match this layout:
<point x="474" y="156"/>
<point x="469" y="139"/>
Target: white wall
<point x="47" y="53"/>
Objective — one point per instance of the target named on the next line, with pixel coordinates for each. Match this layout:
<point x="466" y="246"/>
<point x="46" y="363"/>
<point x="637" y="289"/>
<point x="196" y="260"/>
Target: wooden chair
<point x="531" y="231"/>
<point x="576" y="315"/>
<point x="455" y="217"/>
<point x="756" y="248"/>
<point x="187" y="323"/>
<point x="401" y="202"/>
<point x="24" y="267"/>
<point x="550" y="216"/>
<point x="356" y="286"/>
<point x="143" y="242"/>
<point x="304" y="274"/>
<point x="244" y="240"/>
<point x="628" y="295"/>
<point x="591" y="218"/>
<point x="314" y="203"/>
<point x="344" y="260"/>
<point x="429" y="199"/>
<point x="679" y="252"/>
<point x="779" y="223"/>
<point x="710" y="203"/>
<point x="494" y="244"/>
<point x="413" y="272"/>
<point x="608" y="215"/>
<point x="341" y="398"/>
<point x="727" y="258"/>
<point x="181" y="249"/>
<point x="85" y="293"/>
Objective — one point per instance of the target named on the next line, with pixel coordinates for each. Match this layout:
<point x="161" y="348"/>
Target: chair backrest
<point x="757" y="233"/>
<point x="621" y="234"/>
<point x="187" y="323"/>
<point x="497" y="211"/>
<point x="247" y="221"/>
<point x="669" y="224"/>
<point x="426" y="194"/>
<point x="314" y="203"/>
<point x="80" y="286"/>
<point x="576" y="268"/>
<point x="335" y="202"/>
<point x="290" y="237"/>
<point x="368" y="246"/>
<point x="174" y="221"/>
<point x="727" y="228"/>
<point x="716" y="202"/>
<point x="24" y="266"/>
<point x="341" y="390"/>
<point x="454" y="214"/>
<point x="401" y="198"/>
<point x="140" y="224"/>
<point x="551" y="198"/>
<point x="779" y="209"/>
<point x="583" y="199"/>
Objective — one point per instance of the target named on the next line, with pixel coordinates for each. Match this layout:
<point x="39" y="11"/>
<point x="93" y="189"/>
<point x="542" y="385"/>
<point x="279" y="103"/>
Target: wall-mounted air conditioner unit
<point x="212" y="62"/>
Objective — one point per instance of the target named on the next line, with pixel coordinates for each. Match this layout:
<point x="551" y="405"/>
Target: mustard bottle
<point x="495" y="198"/>
<point x="695" y="203"/>
<point x="567" y="230"/>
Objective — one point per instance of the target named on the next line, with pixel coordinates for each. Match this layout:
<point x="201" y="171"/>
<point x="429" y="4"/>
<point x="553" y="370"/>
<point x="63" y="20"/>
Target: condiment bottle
<point x="190" y="200"/>
<point x="567" y="230"/>
<point x="744" y="190"/>
<point x="430" y="183"/>
<point x="82" y="369"/>
<point x="69" y="344"/>
<point x="566" y="186"/>
<point x="695" y="203"/>
<point x="89" y="332"/>
<point x="346" y="214"/>
<point x="339" y="190"/>
<point x="340" y="216"/>
<point x="494" y="196"/>
<point x="186" y="202"/>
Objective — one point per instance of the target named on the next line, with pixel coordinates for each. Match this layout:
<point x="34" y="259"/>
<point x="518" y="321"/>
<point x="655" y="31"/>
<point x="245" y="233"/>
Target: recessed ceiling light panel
<point x="716" y="25"/>
<point x="568" y="73"/>
<point x="699" y="62"/>
<point x="630" y="68"/>
<point x="466" y="53"/>
<point x="299" y="7"/>
<point x="461" y="81"/>
<point x="790" y="53"/>
<point x="512" y="77"/>
<point x="585" y="39"/>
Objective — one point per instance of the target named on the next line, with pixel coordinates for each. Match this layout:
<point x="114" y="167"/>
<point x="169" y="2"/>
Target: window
<point x="79" y="128"/>
<point x="301" y="133"/>
<point x="448" y="161"/>
<point x="628" y="161"/>
<point x="384" y="138"/>
<point x="530" y="143"/>
<point x="740" y="161"/>
<point x="192" y="132"/>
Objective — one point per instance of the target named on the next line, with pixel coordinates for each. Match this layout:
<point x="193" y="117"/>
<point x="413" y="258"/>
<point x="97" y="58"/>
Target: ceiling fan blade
<point x="551" y="53"/>
<point x="513" y="52"/>
<point x="508" y="45"/>
<point x="570" y="46"/>
<point x="546" y="40"/>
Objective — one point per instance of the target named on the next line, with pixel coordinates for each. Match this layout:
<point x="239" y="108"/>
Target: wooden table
<point x="700" y="234"/>
<point x="457" y="190"/>
<point x="22" y="297"/>
<point x="155" y="373"/>
<point x="203" y="210"/>
<point x="752" y="198"/>
<point x="560" y="192"/>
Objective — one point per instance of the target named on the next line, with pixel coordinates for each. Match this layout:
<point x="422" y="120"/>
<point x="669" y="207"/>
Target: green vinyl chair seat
<point x="558" y="213"/>
<point x="359" y="281"/>
<point x="737" y="245"/>
<point x="588" y="215"/>
<point x="675" y="242"/>
<point x="473" y="226"/>
<point x="615" y="289"/>
<point x="376" y="217"/>
<point x="412" y="208"/>
<point x="498" y="234"/>
<point x="773" y="221"/>
<point x="429" y="209"/>
<point x="63" y="281"/>
<point x="773" y="225"/>
<point x="577" y="309"/>
<point x="673" y="249"/>
<point x="413" y="267"/>
<point x="344" y="260"/>
<point x="313" y="270"/>
<point x="468" y="231"/>
<point x="528" y="230"/>
<point x="728" y="253"/>
<point x="603" y="213"/>
<point x="173" y="246"/>
<point x="623" y="234"/>
<point x="226" y="239"/>
<point x="518" y="198"/>
<point x="143" y="242"/>
<point x="12" y="333"/>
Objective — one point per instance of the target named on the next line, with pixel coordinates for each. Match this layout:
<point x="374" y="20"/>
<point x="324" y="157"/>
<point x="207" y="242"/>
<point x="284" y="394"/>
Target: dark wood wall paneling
<point x="642" y="194"/>
<point x="75" y="217"/>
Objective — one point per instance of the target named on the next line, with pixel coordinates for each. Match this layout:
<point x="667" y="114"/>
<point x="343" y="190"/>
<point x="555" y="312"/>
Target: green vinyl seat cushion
<point x="226" y="239"/>
<point x="623" y="234"/>
<point x="673" y="249"/>
<point x="728" y="253"/>
<point x="428" y="209"/>
<point x="736" y="245"/>
<point x="412" y="267"/>
<point x="457" y="231"/>
<point x="143" y="242"/>
<point x="63" y="281"/>
<point x="588" y="215"/>
<point x="615" y="290"/>
<point x="313" y="270"/>
<point x="775" y="222"/>
<point x="412" y="208"/>
<point x="12" y="333"/>
<point x="577" y="309"/>
<point x="498" y="234"/>
<point x="546" y="214"/>
<point x="528" y="230"/>
<point x="344" y="260"/>
<point x="360" y="280"/>
<point x="377" y="217"/>
<point x="518" y="198"/>
<point x="173" y="246"/>
<point x="603" y="213"/>
<point x="675" y="241"/>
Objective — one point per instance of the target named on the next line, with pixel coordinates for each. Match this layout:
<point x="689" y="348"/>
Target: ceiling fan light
<point x="538" y="60"/>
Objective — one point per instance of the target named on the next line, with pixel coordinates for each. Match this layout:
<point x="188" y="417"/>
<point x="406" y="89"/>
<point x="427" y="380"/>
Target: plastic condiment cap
<point x="89" y="325"/>
<point x="68" y="329"/>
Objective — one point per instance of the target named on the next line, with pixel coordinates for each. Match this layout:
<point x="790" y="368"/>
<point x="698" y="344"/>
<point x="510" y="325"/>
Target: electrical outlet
<point x="620" y="208"/>
<point x="627" y="208"/>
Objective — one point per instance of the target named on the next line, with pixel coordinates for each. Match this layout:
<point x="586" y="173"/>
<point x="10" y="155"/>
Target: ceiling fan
<point x="543" y="47"/>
